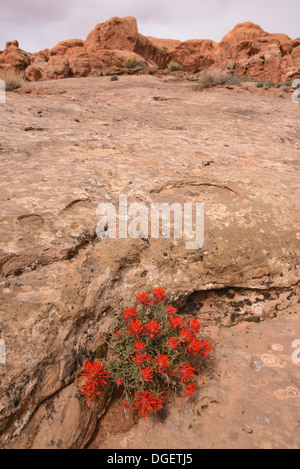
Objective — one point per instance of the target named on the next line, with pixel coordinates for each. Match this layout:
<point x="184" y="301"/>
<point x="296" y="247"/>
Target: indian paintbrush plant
<point x="151" y="350"/>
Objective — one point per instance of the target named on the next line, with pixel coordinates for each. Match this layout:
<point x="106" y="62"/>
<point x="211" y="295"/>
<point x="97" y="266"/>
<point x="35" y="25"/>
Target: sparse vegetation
<point x="114" y="78"/>
<point x="165" y="48"/>
<point x="133" y="63"/>
<point x="13" y="80"/>
<point x="174" y="66"/>
<point x="153" y="349"/>
<point x="208" y="79"/>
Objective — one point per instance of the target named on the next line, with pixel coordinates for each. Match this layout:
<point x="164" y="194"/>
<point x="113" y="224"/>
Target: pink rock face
<point x="247" y="50"/>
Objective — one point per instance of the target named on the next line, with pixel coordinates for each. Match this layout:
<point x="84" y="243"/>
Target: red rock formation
<point x="247" y="50"/>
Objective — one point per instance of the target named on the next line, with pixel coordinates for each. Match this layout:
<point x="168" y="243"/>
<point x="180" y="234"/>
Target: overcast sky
<point x="38" y="24"/>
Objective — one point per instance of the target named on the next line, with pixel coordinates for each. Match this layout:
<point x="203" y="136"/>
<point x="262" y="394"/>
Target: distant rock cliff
<point x="247" y="50"/>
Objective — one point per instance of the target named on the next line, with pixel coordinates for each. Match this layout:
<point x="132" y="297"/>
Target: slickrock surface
<point x="67" y="146"/>
<point x="247" y="50"/>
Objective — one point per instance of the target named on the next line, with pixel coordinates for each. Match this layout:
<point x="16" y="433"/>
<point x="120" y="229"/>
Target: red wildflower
<point x="140" y="345"/>
<point x="197" y="347"/>
<point x="147" y="403"/>
<point x="147" y="374"/>
<point x="189" y="389"/>
<point x="159" y="295"/>
<point x="153" y="328"/>
<point x="205" y="348"/>
<point x="173" y="343"/>
<point x="117" y="334"/>
<point x="175" y="322"/>
<point x="143" y="298"/>
<point x="120" y="381"/>
<point x="96" y="374"/>
<point x="171" y="310"/>
<point x="135" y="328"/>
<point x="193" y="326"/>
<point x="129" y="314"/>
<point x="186" y="372"/>
<point x="185" y="336"/>
<point x="126" y="404"/>
<point x="161" y="362"/>
<point x="140" y="359"/>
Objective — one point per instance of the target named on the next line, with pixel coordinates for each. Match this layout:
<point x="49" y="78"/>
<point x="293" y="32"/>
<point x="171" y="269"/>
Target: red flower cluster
<point x="135" y="328"/>
<point x="153" y="328"/>
<point x="146" y="403"/>
<point x="152" y="345"/>
<point x="96" y="376"/>
<point x="129" y="314"/>
<point x="143" y="299"/>
<point x="159" y="295"/>
<point x="161" y="362"/>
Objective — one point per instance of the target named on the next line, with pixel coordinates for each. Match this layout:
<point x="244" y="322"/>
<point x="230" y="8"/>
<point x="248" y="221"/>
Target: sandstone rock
<point x="13" y="58"/>
<point x="115" y="34"/>
<point x="247" y="50"/>
<point x="61" y="287"/>
<point x="58" y="67"/>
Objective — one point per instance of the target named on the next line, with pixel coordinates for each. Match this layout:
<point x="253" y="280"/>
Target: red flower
<point x="193" y="326"/>
<point x="175" y="322"/>
<point x="147" y="374"/>
<point x="159" y="295"/>
<point x="117" y="334"/>
<point x="161" y="362"/>
<point x="129" y="314"/>
<point x="140" y="359"/>
<point x="189" y="389"/>
<point x="96" y="375"/>
<point x="135" y="328"/>
<point x="120" y="381"/>
<point x="143" y="298"/>
<point x="186" y="372"/>
<point x="147" y="403"/>
<point x="205" y="348"/>
<point x="140" y="346"/>
<point x="194" y="347"/>
<point x="153" y="328"/>
<point x="171" y="310"/>
<point x="173" y="343"/>
<point x="126" y="404"/>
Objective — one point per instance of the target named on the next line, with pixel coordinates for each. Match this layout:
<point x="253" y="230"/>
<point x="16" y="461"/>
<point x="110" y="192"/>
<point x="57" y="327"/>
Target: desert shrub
<point x="165" y="48"/>
<point x="13" y="80"/>
<point x="210" y="78"/>
<point x="174" y="66"/>
<point x="259" y="84"/>
<point x="114" y="78"/>
<point x="153" y="349"/>
<point x="133" y="63"/>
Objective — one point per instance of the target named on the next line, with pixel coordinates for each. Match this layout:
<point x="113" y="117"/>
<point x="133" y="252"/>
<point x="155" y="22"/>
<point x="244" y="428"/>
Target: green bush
<point x="133" y="63"/>
<point x="114" y="78"/>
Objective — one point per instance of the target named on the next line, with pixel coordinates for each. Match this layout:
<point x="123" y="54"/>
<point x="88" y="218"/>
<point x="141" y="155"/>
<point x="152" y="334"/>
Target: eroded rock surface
<point x="65" y="147"/>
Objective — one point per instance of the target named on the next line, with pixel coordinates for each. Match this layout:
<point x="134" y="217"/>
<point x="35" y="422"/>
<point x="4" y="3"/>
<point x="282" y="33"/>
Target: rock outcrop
<point x="71" y="144"/>
<point x="247" y="50"/>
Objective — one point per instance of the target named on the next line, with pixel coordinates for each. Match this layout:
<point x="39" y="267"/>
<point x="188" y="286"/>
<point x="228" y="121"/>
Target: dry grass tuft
<point x="13" y="80"/>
